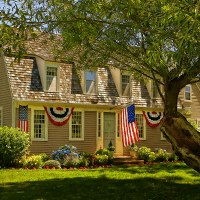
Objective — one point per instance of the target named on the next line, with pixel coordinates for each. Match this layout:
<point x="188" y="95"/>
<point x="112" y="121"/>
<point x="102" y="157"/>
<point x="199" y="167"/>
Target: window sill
<point x="39" y="140"/>
<point x="77" y="139"/>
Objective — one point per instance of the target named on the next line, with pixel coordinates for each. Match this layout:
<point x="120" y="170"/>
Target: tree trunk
<point x="184" y="138"/>
<point x="181" y="134"/>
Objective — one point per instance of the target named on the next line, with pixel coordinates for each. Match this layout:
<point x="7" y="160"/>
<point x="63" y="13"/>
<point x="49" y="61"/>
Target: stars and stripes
<point x="23" y="118"/>
<point x="58" y="115"/>
<point x="129" y="126"/>
<point x="153" y="118"/>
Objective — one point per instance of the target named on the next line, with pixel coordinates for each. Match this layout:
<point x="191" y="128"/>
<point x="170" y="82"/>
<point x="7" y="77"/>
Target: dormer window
<point x="51" y="79"/>
<point x="188" y="93"/>
<point x="90" y="82"/>
<point x="126" y="85"/>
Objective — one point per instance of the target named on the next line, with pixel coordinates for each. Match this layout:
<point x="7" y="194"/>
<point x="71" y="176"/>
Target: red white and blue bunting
<point x="58" y="116"/>
<point x="153" y="118"/>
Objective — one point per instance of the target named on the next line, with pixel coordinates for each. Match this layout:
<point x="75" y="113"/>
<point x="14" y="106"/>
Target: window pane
<point x="140" y="125"/>
<point x="39" y="124"/>
<point x="76" y="124"/>
<point x="51" y="79"/>
<point x="125" y="85"/>
<point x="90" y="82"/>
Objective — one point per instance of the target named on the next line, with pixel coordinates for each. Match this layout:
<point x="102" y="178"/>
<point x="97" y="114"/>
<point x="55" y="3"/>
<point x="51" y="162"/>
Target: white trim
<point x="188" y="100"/>
<point x="32" y="125"/>
<point x="130" y="82"/>
<point x="82" y="124"/>
<point x="144" y="124"/>
<point x="162" y="136"/>
<point x="1" y="109"/>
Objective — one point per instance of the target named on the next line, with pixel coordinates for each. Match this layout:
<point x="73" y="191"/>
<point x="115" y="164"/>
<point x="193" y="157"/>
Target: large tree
<point x="155" y="38"/>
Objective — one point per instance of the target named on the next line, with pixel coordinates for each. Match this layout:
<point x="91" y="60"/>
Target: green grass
<point x="160" y="181"/>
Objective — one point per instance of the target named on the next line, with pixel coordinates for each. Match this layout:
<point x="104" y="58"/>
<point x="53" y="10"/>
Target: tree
<point x="157" y="38"/>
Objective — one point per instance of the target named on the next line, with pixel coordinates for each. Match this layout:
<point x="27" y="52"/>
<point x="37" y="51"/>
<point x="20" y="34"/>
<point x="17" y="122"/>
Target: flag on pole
<point x="129" y="126"/>
<point x="23" y="118"/>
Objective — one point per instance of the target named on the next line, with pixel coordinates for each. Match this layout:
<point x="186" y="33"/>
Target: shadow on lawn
<point x="101" y="188"/>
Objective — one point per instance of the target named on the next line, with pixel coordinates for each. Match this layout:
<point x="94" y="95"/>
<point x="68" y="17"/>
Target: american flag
<point x="23" y="118"/>
<point x="128" y="126"/>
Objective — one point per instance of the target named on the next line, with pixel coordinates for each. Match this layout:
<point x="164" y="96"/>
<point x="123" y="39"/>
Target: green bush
<point x="152" y="157"/>
<point x="33" y="161"/>
<point x="52" y="163"/>
<point x="13" y="145"/>
<point x="101" y="159"/>
<point x="173" y="157"/>
<point x="161" y="156"/>
<point x="83" y="162"/>
<point x="143" y="153"/>
<point x="44" y="157"/>
<point x="105" y="152"/>
<point x="71" y="162"/>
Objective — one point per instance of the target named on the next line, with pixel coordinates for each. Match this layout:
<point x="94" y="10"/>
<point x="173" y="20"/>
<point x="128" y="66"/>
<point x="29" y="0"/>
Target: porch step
<point x="127" y="160"/>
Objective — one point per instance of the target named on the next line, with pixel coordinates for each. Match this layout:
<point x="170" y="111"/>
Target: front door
<point x="109" y="129"/>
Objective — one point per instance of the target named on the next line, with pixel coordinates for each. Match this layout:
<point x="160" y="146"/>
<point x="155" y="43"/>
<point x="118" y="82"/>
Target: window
<point x="1" y="116"/>
<point x="155" y="93"/>
<point x="39" y="129"/>
<point x="118" y="125"/>
<point x="141" y="125"/>
<point x="99" y="124"/>
<point x="126" y="82"/>
<point x="51" y="79"/>
<point x="162" y="136"/>
<point x="76" y="126"/>
<point x="90" y="82"/>
<point x="187" y="93"/>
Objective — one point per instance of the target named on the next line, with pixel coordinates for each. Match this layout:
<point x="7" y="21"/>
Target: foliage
<point x="44" y="157"/>
<point x="193" y="123"/>
<point x="173" y="157"/>
<point x="85" y="154"/>
<point x="51" y="164"/>
<point x="63" y="152"/>
<point x="161" y="156"/>
<point x="33" y="161"/>
<point x="13" y="145"/>
<point x="143" y="153"/>
<point x="133" y="147"/>
<point x="152" y="157"/>
<point x="101" y="159"/>
<point x="110" y="146"/>
<point x="100" y="152"/>
<point x="83" y="162"/>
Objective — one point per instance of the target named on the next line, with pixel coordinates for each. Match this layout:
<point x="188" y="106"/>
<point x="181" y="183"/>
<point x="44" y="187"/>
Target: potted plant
<point x="111" y="148"/>
<point x="133" y="150"/>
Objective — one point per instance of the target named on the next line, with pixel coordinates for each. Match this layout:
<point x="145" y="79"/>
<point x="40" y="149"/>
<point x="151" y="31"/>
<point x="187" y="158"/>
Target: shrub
<point x="13" y="145"/>
<point x="51" y="164"/>
<point x="173" y="157"/>
<point x="161" y="156"/>
<point x="63" y="152"/>
<point x="143" y="153"/>
<point x="33" y="161"/>
<point x="71" y="162"/>
<point x="111" y="147"/>
<point x="105" y="152"/>
<point x="85" y="154"/>
<point x="101" y="159"/>
<point x="44" y="157"/>
<point x="152" y="157"/>
<point x="83" y="162"/>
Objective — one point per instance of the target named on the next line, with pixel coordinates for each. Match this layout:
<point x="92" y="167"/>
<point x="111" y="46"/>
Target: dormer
<point x="123" y="81"/>
<point x="49" y="74"/>
<point x="152" y="89"/>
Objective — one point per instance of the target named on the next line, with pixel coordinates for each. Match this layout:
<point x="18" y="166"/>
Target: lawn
<point x="160" y="181"/>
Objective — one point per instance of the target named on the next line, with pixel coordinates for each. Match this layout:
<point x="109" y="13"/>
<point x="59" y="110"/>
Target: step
<point x="128" y="161"/>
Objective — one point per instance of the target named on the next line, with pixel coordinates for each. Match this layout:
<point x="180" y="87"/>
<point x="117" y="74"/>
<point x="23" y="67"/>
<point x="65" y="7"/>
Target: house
<point x="40" y="82"/>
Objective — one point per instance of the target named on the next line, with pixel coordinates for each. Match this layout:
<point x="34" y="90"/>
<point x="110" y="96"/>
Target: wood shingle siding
<point x="5" y="94"/>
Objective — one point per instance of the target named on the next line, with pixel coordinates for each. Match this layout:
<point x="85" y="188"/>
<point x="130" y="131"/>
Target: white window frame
<point x="95" y="82"/>
<point x="82" y="128"/>
<point x="99" y="125"/>
<point x="198" y="124"/>
<point x="189" y="86"/>
<point x="144" y="124"/>
<point x="32" y="125"/>
<point x="1" y="110"/>
<point x="130" y="83"/>
<point x="53" y="65"/>
<point x="162" y="136"/>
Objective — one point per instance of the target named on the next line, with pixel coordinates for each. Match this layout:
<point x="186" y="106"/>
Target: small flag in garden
<point x="129" y="129"/>
<point x="23" y="118"/>
<point x="58" y="115"/>
<point x="153" y="118"/>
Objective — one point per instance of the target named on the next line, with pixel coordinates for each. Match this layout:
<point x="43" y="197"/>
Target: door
<point x="109" y="129"/>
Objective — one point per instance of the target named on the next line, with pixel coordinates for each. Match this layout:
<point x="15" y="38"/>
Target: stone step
<point x="128" y="161"/>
